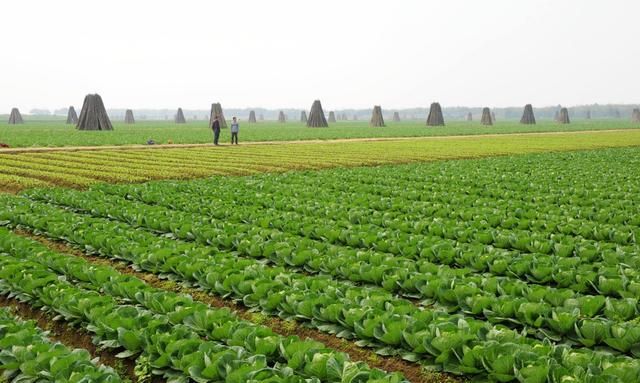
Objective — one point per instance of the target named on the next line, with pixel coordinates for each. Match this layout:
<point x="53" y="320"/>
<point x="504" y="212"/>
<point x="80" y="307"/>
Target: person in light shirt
<point x="235" y="128"/>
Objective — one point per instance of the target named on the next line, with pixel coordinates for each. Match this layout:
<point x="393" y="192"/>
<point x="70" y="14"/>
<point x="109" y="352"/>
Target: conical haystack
<point x="344" y="117"/>
<point x="332" y="117"/>
<point x="15" y="117"/>
<point x="635" y="115"/>
<point x="252" y="117"/>
<point x="93" y="115"/>
<point x="493" y="117"/>
<point x="316" y="116"/>
<point x="563" y="116"/>
<point x="469" y="117"/>
<point x="179" y="117"/>
<point x="216" y="110"/>
<point x="616" y="113"/>
<point x="128" y="117"/>
<point x="261" y="117"/>
<point x="376" y="117"/>
<point x="435" y="117"/>
<point x="72" y="116"/>
<point x="486" y="117"/>
<point x="281" y="118"/>
<point x="527" y="116"/>
<point x="556" y="116"/>
<point x="303" y="117"/>
<point x="396" y="117"/>
<point x="588" y="115"/>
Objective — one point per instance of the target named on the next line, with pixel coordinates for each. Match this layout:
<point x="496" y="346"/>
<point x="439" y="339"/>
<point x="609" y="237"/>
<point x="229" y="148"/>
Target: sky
<point x="348" y="53"/>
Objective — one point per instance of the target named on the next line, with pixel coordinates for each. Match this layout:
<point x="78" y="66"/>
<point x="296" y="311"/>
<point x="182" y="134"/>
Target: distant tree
<point x="40" y="112"/>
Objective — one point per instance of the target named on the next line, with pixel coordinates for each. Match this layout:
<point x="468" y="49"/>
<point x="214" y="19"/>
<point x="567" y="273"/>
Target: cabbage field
<point x="522" y="268"/>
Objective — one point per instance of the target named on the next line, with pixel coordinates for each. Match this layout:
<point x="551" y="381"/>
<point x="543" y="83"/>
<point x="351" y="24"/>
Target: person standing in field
<point x="235" y="128"/>
<point x="216" y="129"/>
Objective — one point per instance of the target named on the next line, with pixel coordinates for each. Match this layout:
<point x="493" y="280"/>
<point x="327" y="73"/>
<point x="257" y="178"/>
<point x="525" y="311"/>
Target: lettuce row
<point x="478" y="179"/>
<point x="305" y="357"/>
<point x="559" y="313"/>
<point x="28" y="355"/>
<point x="174" y="351"/>
<point x="364" y="207"/>
<point x="583" y="274"/>
<point x="601" y="269"/>
<point x="450" y="342"/>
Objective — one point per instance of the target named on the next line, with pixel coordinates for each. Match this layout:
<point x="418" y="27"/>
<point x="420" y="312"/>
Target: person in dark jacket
<point x="216" y="129"/>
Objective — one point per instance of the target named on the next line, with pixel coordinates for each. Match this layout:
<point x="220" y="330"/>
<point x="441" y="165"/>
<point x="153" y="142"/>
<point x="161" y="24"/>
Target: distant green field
<point x="56" y="133"/>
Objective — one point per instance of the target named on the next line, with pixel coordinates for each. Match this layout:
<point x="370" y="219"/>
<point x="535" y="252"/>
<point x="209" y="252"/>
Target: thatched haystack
<point x="281" y="117"/>
<point x="486" y="117"/>
<point x="15" y="117"/>
<point x="128" y="117"/>
<point x="316" y="116"/>
<point x="396" y="117"/>
<point x="303" y="117"/>
<point x="216" y="110"/>
<point x="556" y="116"/>
<point x="72" y="116"/>
<point x="469" y="117"/>
<point x="332" y="117"/>
<point x="435" y="117"/>
<point x="93" y="115"/>
<point x="563" y="116"/>
<point x="345" y="117"/>
<point x="376" y="117"/>
<point x="588" y="115"/>
<point x="635" y="115"/>
<point x="252" y="117"/>
<point x="527" y="116"/>
<point x="179" y="117"/>
<point x="493" y="117"/>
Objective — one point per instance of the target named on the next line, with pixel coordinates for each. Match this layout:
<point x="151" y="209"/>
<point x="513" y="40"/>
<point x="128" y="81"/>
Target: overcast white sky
<point x="286" y="53"/>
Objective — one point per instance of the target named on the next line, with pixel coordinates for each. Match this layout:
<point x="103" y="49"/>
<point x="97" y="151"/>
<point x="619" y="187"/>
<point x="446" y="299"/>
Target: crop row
<point x="229" y="333"/>
<point x="453" y="342"/>
<point x="178" y="163"/>
<point x="495" y="298"/>
<point x="579" y="181"/>
<point x="85" y="168"/>
<point x="464" y="185"/>
<point x="28" y="355"/>
<point x="441" y="243"/>
<point x="366" y="205"/>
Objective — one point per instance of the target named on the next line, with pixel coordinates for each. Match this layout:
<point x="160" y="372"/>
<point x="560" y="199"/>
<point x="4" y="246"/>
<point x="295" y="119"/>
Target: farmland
<point x="514" y="268"/>
<point x="86" y="167"/>
<point x="56" y="133"/>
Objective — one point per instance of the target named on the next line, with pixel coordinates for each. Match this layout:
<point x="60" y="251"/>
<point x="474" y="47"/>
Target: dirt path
<point x="330" y="141"/>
